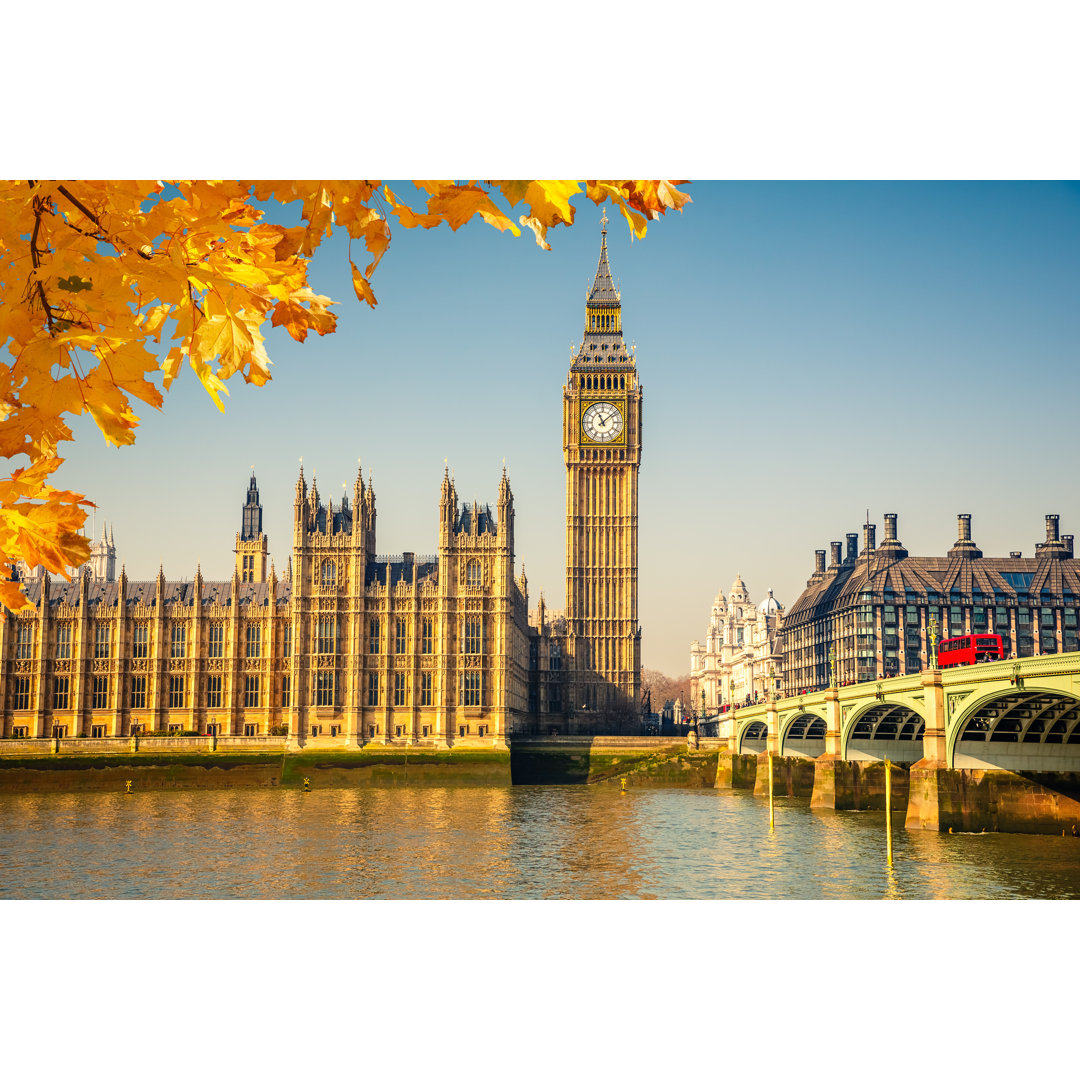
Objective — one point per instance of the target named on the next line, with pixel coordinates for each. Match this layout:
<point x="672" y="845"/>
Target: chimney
<point x="1016" y="554"/>
<point x="837" y="553"/>
<point x="891" y="546"/>
<point x="964" y="548"/>
<point x="1053" y="546"/>
<point x="819" y="562"/>
<point x="868" y="538"/>
<point x="1067" y="540"/>
<point x="852" y="547"/>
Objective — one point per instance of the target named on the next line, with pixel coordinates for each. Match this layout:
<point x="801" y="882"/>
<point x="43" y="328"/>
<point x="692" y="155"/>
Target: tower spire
<point x="602" y="341"/>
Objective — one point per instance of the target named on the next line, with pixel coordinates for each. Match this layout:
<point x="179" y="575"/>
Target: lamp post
<point x="933" y="634"/>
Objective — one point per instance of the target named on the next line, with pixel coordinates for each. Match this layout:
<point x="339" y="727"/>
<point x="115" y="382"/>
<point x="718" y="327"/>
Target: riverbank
<point x="207" y="765"/>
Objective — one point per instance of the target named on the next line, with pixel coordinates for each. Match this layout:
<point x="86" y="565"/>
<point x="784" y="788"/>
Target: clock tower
<point x="602" y="450"/>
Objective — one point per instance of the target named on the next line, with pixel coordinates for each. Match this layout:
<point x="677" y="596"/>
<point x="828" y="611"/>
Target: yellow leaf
<point x="298" y="319"/>
<point x="361" y="286"/>
<point x="538" y="228"/>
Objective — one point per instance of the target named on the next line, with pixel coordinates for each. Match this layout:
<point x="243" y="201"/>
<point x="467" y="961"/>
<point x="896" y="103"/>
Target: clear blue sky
<point x="808" y="351"/>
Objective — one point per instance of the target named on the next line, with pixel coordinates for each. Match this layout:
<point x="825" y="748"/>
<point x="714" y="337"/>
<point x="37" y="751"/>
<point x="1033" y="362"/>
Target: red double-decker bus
<point x="970" y="649"/>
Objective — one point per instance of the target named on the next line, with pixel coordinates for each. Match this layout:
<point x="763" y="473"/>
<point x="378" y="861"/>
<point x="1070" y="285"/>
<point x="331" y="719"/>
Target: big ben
<point x="602" y="416"/>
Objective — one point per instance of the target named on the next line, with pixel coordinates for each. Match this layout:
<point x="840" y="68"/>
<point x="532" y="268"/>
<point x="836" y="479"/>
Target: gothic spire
<point x="603" y="288"/>
<point x="602" y="341"/>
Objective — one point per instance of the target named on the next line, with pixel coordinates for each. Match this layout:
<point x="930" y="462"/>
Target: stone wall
<point x="857" y="785"/>
<point x="993" y="800"/>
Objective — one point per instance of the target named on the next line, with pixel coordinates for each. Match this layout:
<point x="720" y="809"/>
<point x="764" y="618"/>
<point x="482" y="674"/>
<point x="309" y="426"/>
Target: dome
<point x="738" y="589"/>
<point x="770" y="605"/>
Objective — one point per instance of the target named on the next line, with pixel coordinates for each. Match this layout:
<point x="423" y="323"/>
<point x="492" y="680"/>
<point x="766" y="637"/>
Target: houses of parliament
<point x="349" y="647"/>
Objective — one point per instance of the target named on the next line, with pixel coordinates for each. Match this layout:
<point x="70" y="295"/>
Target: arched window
<point x="472" y="573"/>
<point x="329" y="572"/>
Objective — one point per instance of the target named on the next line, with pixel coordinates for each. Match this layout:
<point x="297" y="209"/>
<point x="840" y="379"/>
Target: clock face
<point x="602" y="422"/>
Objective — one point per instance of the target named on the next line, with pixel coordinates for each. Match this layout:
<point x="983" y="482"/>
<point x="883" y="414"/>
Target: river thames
<point x="577" y="843"/>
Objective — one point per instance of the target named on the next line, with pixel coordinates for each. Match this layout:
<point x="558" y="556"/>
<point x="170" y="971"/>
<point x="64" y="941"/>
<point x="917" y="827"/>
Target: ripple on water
<point x="522" y="843"/>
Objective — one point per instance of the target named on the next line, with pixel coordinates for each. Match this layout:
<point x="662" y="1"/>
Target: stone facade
<point x="359" y="647"/>
<point x="742" y="658"/>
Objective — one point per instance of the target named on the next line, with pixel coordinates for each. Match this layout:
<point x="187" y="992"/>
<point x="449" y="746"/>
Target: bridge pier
<point x="856" y="785"/>
<point x="791" y="776"/>
<point x="735" y="770"/>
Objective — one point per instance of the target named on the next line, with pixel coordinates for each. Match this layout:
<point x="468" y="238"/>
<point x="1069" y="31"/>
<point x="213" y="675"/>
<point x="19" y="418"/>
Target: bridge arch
<point x="751" y="736"/>
<point x="1027" y="727"/>
<point x="802" y="733"/>
<point x="882" y="728"/>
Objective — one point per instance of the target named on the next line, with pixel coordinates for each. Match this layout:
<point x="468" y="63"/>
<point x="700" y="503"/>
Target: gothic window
<point x="470" y="688"/>
<point x="61" y="686"/>
<point x="324" y="688"/>
<point x="326" y="641"/>
<point x="24" y="648"/>
<point x="254" y="641"/>
<point x="176" y="691"/>
<point x="140" y="637"/>
<point x="472" y="574"/>
<point x="373" y="638"/>
<point x="399" y="688"/>
<point x="179" y="642"/>
<point x="251" y="692"/>
<point x="329" y="572"/>
<point x="22" y="692"/>
<point x="426" y="637"/>
<point x="372" y="688"/>
<point x="217" y="638"/>
<point x="400" y="636"/>
<point x="286" y="687"/>
<point x="213" y="692"/>
<point x="286" y="640"/>
<point x="101" y="641"/>
<point x="425" y="688"/>
<point x="138" y="691"/>
<point x="101" y="692"/>
<point x="63" y="641"/>
<point x="472" y="634"/>
<point x="555" y="657"/>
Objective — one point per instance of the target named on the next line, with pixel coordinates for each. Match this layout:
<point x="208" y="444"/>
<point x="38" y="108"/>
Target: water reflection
<point x="526" y="842"/>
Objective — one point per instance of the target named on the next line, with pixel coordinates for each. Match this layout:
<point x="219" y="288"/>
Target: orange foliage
<point x="92" y="273"/>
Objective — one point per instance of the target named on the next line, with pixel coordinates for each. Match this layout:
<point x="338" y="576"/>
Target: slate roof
<point x="401" y="570"/>
<point x="105" y="593"/>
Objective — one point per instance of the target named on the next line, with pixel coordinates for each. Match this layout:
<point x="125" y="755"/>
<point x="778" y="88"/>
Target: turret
<point x="506" y="514"/>
<point x="447" y="509"/>
<point x="369" y="518"/>
<point x="251" y="542"/>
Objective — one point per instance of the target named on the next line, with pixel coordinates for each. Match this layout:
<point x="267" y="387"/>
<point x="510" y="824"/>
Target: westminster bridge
<point x="994" y="745"/>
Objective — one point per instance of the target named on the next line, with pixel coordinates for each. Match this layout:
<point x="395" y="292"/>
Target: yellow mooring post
<point x="888" y="811"/>
<point x="771" y="820"/>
